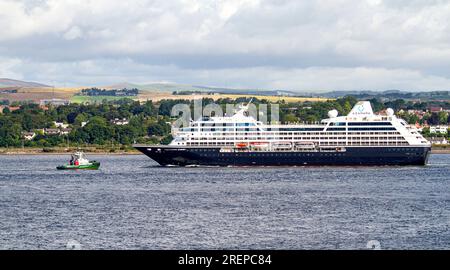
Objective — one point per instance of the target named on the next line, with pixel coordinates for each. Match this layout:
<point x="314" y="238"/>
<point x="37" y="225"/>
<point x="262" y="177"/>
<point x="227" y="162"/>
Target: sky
<point x="294" y="45"/>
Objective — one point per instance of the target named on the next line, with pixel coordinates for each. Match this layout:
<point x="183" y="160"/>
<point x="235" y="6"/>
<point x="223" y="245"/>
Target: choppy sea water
<point x="131" y="203"/>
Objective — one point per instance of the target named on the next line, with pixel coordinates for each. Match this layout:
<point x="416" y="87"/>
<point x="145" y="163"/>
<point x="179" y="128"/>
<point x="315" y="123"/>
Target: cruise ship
<point x="360" y="138"/>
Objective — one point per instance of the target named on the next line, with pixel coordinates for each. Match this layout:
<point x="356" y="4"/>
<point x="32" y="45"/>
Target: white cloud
<point x="342" y="44"/>
<point x="74" y="33"/>
<point x="8" y="68"/>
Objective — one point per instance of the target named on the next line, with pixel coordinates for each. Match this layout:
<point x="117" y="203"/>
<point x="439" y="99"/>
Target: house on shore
<point x="28" y="135"/>
<point x="439" y="129"/>
<point x="54" y="102"/>
<point x="65" y="131"/>
<point x="120" y="122"/>
<point x="438" y="140"/>
<point x="60" y="124"/>
<point x="10" y="108"/>
<point x="51" y="131"/>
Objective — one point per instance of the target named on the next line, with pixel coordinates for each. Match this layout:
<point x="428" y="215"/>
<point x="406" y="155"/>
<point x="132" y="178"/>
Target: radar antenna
<point x="245" y="107"/>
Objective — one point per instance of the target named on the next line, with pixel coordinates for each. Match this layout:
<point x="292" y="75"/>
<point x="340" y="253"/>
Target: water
<point x="131" y="203"/>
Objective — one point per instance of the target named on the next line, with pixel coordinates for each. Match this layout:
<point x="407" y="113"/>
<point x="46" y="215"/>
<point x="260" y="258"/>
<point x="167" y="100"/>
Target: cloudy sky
<point x="269" y="44"/>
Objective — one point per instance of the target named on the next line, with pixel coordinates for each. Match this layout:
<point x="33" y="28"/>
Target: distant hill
<point x="389" y="95"/>
<point x="163" y="88"/>
<point x="359" y="94"/>
<point x="4" y="82"/>
<point x="248" y="91"/>
<point x="123" y="85"/>
<point x="172" y="87"/>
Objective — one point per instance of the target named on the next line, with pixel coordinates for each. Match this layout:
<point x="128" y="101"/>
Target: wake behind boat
<point x="79" y="161"/>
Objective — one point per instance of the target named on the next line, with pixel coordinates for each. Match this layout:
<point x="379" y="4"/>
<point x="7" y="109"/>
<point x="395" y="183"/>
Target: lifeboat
<point x="241" y="145"/>
<point x="259" y="144"/>
<point x="282" y="145"/>
<point x="304" y="145"/>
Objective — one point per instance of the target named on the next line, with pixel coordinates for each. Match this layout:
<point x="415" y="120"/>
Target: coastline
<point x="65" y="151"/>
<point x="440" y="151"/>
<point x="95" y="151"/>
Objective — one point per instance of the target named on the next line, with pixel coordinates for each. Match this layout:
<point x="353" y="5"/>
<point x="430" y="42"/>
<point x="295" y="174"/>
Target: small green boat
<point x="78" y="161"/>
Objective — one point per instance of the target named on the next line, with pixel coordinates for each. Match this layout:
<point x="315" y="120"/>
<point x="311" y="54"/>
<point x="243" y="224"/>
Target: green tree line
<point x="92" y="124"/>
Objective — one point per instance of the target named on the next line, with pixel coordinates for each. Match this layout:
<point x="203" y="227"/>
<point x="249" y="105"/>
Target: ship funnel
<point x="362" y="108"/>
<point x="248" y="104"/>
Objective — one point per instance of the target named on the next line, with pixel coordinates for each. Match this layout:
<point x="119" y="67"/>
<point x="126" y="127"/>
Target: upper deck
<point x="360" y="127"/>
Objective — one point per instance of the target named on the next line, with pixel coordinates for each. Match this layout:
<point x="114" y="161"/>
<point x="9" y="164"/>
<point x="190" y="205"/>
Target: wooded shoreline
<point x="98" y="151"/>
<point x="63" y="151"/>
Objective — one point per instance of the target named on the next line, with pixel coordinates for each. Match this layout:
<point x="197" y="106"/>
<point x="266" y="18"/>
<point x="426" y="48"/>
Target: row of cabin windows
<point x="217" y="124"/>
<point x="307" y="138"/>
<point x="342" y="127"/>
<point x="320" y="143"/>
<point x="389" y="150"/>
<point x="391" y="137"/>
<point x="378" y="143"/>
<point x="227" y="124"/>
<point x="216" y="143"/>
<point x="301" y="134"/>
<point x="294" y="129"/>
<point x="227" y="129"/>
<point x="275" y="155"/>
<point x="369" y="123"/>
<point x="289" y="139"/>
<point x="372" y="128"/>
<point x="335" y="129"/>
<point x="368" y="143"/>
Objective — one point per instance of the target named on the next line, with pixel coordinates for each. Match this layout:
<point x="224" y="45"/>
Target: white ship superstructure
<point x="361" y="127"/>
<point x="360" y="138"/>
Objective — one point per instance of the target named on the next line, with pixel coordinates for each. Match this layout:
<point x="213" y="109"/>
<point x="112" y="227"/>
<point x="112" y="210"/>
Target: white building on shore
<point x="438" y="140"/>
<point x="439" y="129"/>
<point x="28" y="135"/>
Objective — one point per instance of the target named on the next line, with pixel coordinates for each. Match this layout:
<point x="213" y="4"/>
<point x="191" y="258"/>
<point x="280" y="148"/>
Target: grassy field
<point x="93" y="99"/>
<point x="51" y="90"/>
<point x="159" y="96"/>
<point x="37" y="94"/>
<point x="272" y="98"/>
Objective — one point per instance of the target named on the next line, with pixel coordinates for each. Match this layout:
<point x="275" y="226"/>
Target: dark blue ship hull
<point x="213" y="156"/>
